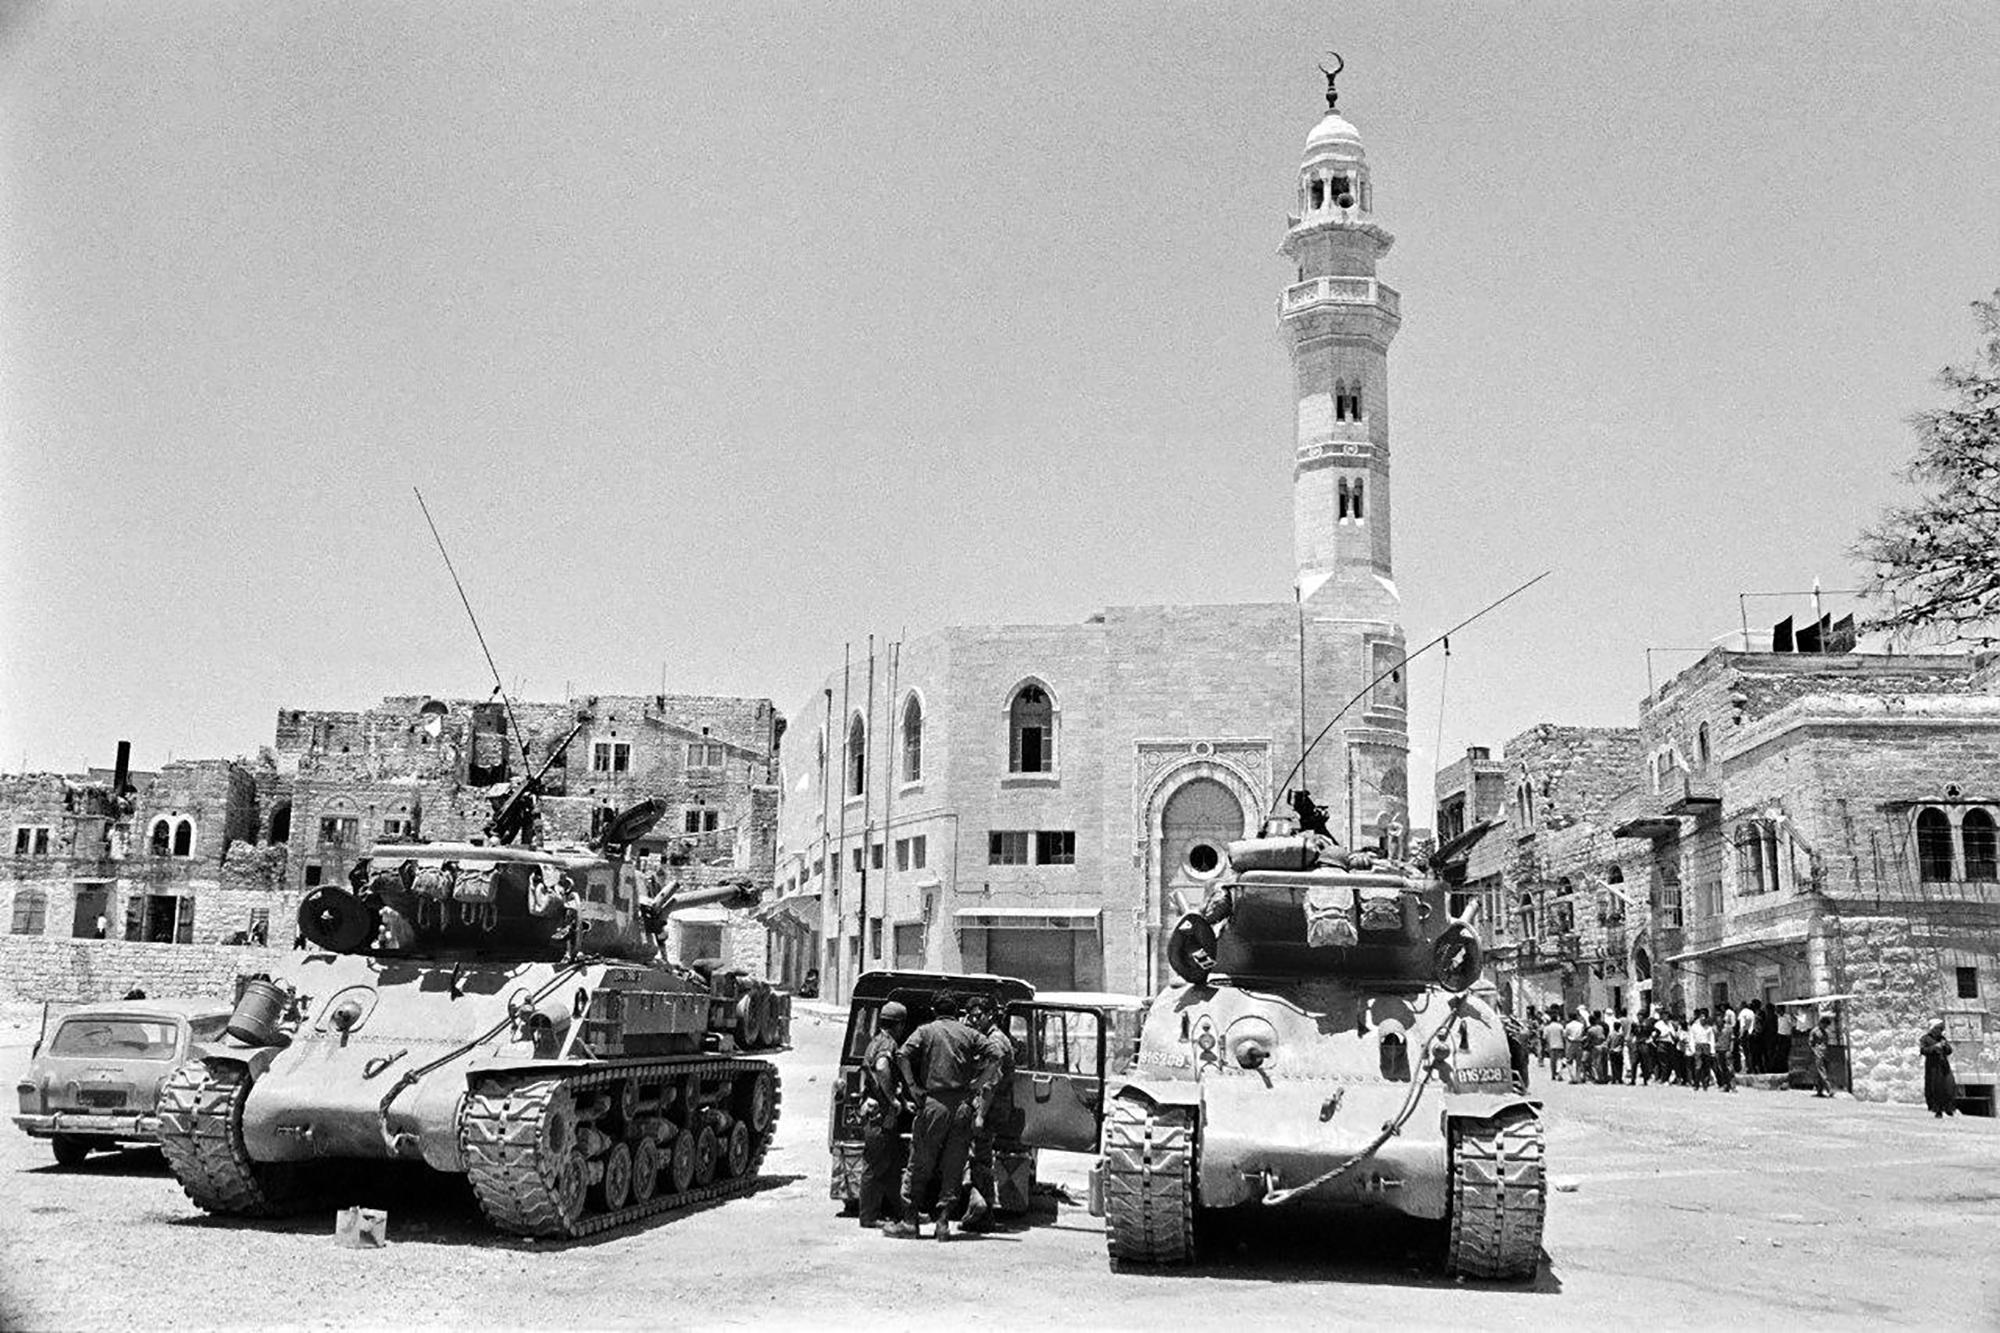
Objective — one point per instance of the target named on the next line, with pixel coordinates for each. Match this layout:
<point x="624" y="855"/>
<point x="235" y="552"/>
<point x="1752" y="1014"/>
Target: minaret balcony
<point x="1340" y="291"/>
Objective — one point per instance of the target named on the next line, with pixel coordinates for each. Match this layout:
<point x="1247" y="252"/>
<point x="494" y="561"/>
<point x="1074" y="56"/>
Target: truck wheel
<point x="70" y="1150"/>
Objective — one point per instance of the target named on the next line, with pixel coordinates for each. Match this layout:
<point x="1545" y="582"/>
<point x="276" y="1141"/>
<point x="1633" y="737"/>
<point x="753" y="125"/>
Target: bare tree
<point x="1936" y="562"/>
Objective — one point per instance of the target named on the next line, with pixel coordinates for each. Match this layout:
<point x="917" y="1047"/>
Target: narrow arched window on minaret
<point x="1343" y="499"/>
<point x="1356" y="501"/>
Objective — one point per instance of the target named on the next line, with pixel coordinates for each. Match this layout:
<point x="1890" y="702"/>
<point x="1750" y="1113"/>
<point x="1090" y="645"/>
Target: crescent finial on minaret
<point x="1332" y="93"/>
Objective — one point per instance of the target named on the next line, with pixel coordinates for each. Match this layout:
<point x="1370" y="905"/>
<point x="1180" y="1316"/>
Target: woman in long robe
<point x="1940" y="1088"/>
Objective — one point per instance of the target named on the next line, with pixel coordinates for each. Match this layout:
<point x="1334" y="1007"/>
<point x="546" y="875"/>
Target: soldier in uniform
<point x="952" y="1058"/>
<point x="983" y="1015"/>
<point x="881" y="1109"/>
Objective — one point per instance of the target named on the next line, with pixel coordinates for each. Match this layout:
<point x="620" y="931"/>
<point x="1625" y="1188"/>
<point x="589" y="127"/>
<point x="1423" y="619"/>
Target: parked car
<point x="1063" y="1048"/>
<point x="94" y="1082"/>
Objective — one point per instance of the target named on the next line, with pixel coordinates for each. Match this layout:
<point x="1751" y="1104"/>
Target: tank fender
<point x="226" y="1050"/>
<point x="1162" y="1091"/>
<point x="1486" y="1105"/>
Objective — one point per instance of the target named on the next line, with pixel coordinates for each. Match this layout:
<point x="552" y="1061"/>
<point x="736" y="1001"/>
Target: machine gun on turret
<point x="517" y="814"/>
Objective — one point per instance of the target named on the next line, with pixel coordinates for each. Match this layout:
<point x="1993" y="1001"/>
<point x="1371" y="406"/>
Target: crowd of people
<point x="1700" y="1051"/>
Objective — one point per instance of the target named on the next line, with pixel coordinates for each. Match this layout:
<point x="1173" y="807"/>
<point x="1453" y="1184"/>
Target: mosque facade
<point x="1044" y="801"/>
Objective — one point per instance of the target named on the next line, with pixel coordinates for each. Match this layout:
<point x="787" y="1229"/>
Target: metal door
<point x="1055" y="1098"/>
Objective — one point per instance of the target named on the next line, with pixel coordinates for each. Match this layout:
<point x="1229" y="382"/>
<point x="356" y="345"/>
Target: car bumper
<point x="127" y="1125"/>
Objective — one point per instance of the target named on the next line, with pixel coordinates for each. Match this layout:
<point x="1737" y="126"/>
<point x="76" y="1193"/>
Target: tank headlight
<point x="1251" y="1042"/>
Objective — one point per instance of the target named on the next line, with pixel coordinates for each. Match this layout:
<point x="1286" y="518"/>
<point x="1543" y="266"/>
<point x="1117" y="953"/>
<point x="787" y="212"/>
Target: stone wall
<point x="37" y="968"/>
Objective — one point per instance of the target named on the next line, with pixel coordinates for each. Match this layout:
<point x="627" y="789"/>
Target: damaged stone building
<point x="1814" y="831"/>
<point x="110" y="866"/>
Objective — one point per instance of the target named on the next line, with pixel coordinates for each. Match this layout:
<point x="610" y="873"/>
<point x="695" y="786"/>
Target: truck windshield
<point x="125" y="1038"/>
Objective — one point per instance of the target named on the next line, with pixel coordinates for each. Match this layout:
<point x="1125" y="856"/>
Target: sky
<point x="719" y="336"/>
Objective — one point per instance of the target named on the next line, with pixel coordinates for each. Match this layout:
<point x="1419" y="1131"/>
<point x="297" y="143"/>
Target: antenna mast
<point x="499" y="686"/>
<point x="1407" y="659"/>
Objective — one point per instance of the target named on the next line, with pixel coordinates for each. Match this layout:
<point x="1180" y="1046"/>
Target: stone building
<point x="1814" y="831"/>
<point x="1045" y="800"/>
<point x="219" y="852"/>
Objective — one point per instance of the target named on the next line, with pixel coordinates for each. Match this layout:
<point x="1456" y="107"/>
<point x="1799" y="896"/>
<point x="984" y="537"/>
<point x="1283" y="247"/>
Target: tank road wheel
<point x="680" y="1162"/>
<point x="1149" y="1183"/>
<point x="645" y="1170"/>
<point x="519" y="1143"/>
<point x="757" y="1102"/>
<point x="706" y="1150"/>
<point x="736" y="1150"/>
<point x="616" y="1187"/>
<point x="1499" y="1194"/>
<point x="201" y="1133"/>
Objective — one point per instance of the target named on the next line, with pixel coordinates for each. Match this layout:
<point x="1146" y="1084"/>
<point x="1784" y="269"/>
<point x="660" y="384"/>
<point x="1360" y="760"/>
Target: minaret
<point x="1338" y="320"/>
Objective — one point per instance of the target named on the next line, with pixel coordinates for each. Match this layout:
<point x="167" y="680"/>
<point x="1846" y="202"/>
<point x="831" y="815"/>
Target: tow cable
<point x="1434" y="1059"/>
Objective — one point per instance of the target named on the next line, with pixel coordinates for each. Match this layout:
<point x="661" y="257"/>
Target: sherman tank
<point x="502" y="1012"/>
<point x="1330" y="1051"/>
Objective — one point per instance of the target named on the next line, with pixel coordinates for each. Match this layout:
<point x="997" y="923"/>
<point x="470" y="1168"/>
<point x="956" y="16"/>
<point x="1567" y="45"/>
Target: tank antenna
<point x="499" y="686"/>
<point x="1406" y="660"/>
<point x="1298" y="599"/>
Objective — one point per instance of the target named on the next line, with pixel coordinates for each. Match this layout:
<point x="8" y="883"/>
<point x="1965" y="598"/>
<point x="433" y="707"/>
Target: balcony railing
<point x="1339" y="291"/>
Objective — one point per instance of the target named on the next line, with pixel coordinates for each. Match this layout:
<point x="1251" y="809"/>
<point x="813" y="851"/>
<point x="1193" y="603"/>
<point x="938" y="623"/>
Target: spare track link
<point x="201" y="1133"/>
<point x="1499" y="1196"/>
<point x="1149" y="1183"/>
<point x="501" y="1125"/>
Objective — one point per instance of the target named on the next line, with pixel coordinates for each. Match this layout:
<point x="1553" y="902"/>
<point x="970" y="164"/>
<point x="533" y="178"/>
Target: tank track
<point x="1149" y="1183"/>
<point x="201" y="1133"/>
<point x="505" y="1126"/>
<point x="1499" y="1196"/>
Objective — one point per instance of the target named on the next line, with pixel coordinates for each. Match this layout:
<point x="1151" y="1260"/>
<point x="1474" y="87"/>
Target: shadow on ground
<point x="1375" y="1250"/>
<point x="121" y="1162"/>
<point x="427" y="1207"/>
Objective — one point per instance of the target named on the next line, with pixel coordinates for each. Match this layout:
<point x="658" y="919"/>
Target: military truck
<point x="1055" y="1099"/>
<point x="1326" y="1054"/>
<point x="502" y="1012"/>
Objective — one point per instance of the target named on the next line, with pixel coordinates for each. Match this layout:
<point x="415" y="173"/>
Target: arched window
<point x="1981" y="861"/>
<point x="281" y="823"/>
<point x="913" y="739"/>
<point x="1527" y="916"/>
<point x="1701" y="743"/>
<point x="1749" y="858"/>
<point x="184" y="839"/>
<point x="1616" y="876"/>
<point x="161" y="841"/>
<point x="1933" y="844"/>
<point x="857" y="756"/>
<point x="1031" y="731"/>
<point x="1524" y="804"/>
<point x="1316" y="189"/>
<point x="1343" y="498"/>
<point x="1340" y="400"/>
<point x="1359" y="512"/>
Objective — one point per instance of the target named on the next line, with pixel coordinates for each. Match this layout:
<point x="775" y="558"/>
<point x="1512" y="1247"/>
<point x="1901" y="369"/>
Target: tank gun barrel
<point x="733" y="893"/>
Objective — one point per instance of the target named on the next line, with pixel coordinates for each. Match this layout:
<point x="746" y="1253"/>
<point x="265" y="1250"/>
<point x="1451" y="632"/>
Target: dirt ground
<point x="1673" y="1208"/>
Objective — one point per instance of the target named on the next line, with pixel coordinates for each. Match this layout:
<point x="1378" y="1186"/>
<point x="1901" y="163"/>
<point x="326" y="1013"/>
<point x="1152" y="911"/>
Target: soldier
<point x="952" y="1059"/>
<point x="881" y="1109"/>
<point x="982" y="1014"/>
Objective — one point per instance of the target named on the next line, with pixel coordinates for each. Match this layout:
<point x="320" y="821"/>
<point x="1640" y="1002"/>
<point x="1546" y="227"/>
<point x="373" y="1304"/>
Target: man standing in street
<point x="1748" y="1039"/>
<point x="1552" y="1043"/>
<point x="1819" y="1041"/>
<point x="881" y="1110"/>
<point x="944" y="1059"/>
<point x="982" y="1014"/>
<point x="1573" y="1046"/>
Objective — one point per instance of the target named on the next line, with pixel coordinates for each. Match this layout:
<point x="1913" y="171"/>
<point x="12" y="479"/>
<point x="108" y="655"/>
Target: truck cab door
<point x="1055" y="1097"/>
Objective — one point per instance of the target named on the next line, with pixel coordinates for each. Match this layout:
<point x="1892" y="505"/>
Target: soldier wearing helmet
<point x="881" y="1109"/>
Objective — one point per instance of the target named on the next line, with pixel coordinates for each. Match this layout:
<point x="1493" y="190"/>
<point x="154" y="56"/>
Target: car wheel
<point x="70" y="1150"/>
